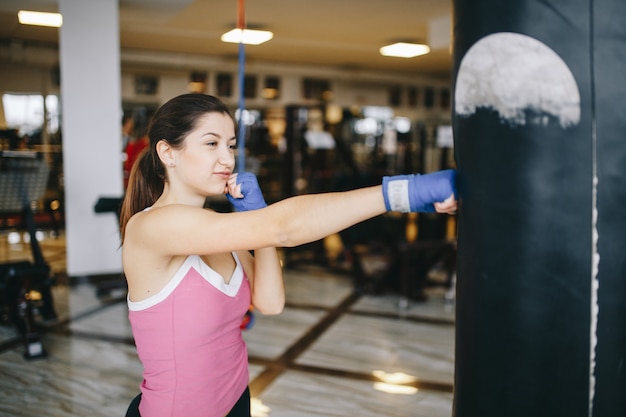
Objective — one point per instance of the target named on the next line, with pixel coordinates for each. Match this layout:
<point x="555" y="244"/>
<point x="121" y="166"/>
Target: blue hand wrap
<point x="415" y="192"/>
<point x="252" y="195"/>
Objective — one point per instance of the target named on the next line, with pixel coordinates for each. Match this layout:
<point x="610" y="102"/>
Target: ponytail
<point x="145" y="185"/>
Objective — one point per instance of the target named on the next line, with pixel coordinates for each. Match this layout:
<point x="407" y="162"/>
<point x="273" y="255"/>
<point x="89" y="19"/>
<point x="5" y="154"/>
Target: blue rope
<point x="241" y="138"/>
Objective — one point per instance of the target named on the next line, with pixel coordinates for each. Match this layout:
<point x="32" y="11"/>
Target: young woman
<point x="191" y="277"/>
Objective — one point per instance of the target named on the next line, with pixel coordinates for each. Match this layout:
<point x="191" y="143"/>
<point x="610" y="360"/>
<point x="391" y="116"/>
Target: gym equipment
<point x="106" y="287"/>
<point x="539" y="143"/>
<point x="25" y="285"/>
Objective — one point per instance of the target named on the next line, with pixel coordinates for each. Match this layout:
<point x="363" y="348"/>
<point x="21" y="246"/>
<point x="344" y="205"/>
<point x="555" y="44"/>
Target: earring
<point x="171" y="164"/>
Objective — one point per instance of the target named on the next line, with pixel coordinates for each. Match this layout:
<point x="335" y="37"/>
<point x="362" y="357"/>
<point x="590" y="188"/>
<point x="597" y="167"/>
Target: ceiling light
<point x="26" y="17"/>
<point x="247" y="36"/>
<point x="404" y="50"/>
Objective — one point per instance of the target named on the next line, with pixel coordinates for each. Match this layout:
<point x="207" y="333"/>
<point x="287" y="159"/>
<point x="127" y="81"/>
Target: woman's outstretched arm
<point x="308" y="218"/>
<point x="179" y="229"/>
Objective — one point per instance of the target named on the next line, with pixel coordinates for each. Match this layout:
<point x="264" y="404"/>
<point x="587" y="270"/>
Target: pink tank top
<point x="189" y="341"/>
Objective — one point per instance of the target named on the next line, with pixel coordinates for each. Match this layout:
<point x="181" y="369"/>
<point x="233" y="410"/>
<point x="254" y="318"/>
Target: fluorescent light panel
<point x="26" y="17"/>
<point x="404" y="50"/>
<point x="247" y="36"/>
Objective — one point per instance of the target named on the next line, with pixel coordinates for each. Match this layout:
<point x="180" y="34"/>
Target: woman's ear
<point x="165" y="152"/>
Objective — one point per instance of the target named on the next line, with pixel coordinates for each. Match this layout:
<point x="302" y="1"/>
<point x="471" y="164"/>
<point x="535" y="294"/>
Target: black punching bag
<point x="540" y="140"/>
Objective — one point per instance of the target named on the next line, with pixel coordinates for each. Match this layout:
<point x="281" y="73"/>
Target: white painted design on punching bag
<point x="520" y="78"/>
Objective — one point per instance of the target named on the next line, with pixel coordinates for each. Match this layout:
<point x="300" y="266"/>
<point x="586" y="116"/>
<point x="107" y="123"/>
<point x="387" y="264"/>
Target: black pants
<point x="133" y="408"/>
<point x="241" y="408"/>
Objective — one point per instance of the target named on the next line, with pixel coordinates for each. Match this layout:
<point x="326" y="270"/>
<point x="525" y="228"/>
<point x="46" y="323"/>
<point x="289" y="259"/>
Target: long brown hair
<point x="172" y="122"/>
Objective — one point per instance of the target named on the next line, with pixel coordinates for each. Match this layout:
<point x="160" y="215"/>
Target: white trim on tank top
<point x="212" y="277"/>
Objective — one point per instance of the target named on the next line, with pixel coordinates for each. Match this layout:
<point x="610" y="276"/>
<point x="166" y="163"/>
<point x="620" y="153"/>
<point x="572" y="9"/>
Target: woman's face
<point x="207" y="158"/>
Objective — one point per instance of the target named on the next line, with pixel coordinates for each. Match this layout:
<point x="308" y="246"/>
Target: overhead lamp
<point x="404" y="50"/>
<point x="247" y="36"/>
<point x="27" y="17"/>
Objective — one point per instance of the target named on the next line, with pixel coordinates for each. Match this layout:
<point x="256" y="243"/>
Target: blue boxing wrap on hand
<point x="417" y="193"/>
<point x="252" y="196"/>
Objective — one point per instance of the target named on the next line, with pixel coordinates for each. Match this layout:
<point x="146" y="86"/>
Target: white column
<point x="91" y="117"/>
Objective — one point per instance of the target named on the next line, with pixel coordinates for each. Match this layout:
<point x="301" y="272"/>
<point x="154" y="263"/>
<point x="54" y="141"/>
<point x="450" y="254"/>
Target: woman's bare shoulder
<point x="147" y="261"/>
<point x="164" y="217"/>
<point x="176" y="229"/>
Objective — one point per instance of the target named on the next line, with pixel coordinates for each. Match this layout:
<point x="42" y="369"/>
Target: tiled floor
<point x="332" y="352"/>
